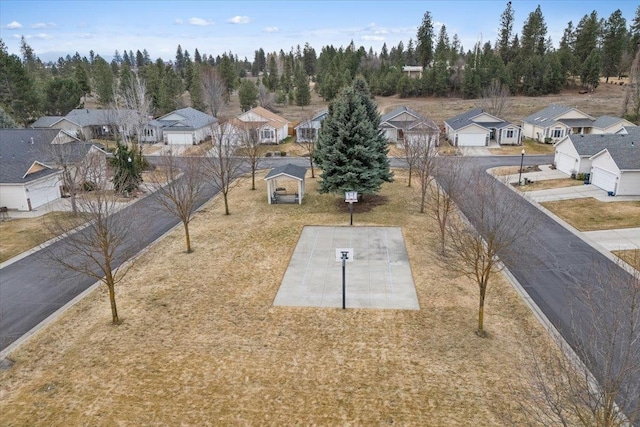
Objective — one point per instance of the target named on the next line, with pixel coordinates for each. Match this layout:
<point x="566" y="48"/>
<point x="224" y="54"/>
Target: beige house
<point x="271" y="128"/>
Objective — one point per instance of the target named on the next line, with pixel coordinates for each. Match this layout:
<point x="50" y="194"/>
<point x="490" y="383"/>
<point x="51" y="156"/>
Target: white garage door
<point x="565" y="163"/>
<point x="179" y="138"/>
<point x="41" y="194"/>
<point x="603" y="179"/>
<point x="471" y="140"/>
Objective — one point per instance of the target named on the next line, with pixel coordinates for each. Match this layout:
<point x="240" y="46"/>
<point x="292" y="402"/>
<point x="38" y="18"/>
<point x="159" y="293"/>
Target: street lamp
<point x="521" y="162"/>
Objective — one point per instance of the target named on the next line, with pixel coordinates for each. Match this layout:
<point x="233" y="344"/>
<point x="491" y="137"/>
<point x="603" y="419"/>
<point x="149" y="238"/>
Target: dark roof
<point x="293" y="171"/>
<point x="606" y="121"/>
<point x="547" y="114"/>
<point x="626" y="156"/>
<point x="589" y="145"/>
<point x="19" y="149"/>
<point x="577" y="123"/>
<point x="46" y="121"/>
<point x="90" y="117"/>
<point x="398" y="111"/>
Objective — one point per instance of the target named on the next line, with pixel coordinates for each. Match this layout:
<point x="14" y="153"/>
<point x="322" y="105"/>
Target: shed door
<point x="179" y="138"/>
<point x="603" y="179"/>
<point x="565" y="163"/>
<point x="471" y="139"/>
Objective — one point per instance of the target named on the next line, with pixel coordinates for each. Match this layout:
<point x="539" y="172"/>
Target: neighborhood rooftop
<point x="589" y="145"/>
<point x="19" y="149"/>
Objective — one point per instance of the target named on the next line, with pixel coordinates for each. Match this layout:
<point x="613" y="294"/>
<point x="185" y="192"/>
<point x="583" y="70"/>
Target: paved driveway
<point x="568" y="193"/>
<point x="615" y="240"/>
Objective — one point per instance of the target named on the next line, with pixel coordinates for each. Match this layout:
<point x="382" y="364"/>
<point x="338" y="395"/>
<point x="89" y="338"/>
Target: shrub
<point x="283" y="153"/>
<point x="267" y="154"/>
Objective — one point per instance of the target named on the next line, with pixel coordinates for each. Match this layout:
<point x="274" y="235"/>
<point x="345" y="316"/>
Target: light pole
<point x="521" y="162"/>
<point x="345" y="257"/>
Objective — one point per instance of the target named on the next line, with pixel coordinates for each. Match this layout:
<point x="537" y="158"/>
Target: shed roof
<point x="293" y="171"/>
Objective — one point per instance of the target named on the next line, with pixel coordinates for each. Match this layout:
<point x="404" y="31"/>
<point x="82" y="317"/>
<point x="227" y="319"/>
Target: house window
<point x="308" y="134"/>
<point x="400" y="135"/>
<point x="557" y="133"/>
<point x="510" y="133"/>
<point x="267" y="134"/>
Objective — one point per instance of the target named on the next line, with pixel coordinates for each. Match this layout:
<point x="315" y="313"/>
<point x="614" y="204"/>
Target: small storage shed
<point x="277" y="193"/>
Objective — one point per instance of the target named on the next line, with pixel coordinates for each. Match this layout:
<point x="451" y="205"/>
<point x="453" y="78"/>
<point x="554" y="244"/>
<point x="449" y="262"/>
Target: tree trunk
<point x="74" y="205"/>
<point x="253" y="177"/>
<point x="187" y="237"/>
<point x="311" y="163"/>
<point x="481" y="332"/>
<point x="226" y="204"/>
<point x="112" y="299"/>
<point x="410" y="176"/>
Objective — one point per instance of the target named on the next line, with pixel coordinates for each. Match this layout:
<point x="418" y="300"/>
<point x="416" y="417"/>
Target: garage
<point x="41" y="192"/>
<point x="604" y="179"/>
<point x="565" y="163"/>
<point x="471" y="140"/>
<point x="179" y="138"/>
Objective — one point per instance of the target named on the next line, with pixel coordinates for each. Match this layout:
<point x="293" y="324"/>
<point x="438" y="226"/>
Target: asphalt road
<point x="30" y="291"/>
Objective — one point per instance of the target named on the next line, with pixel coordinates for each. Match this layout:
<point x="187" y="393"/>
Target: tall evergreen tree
<point x="613" y="46"/>
<point x="442" y="46"/>
<point x="61" y="96"/>
<point x="424" y="49"/>
<point x="587" y="35"/>
<point x="248" y="94"/>
<point x="303" y="93"/>
<point x="503" y="44"/>
<point x="352" y="151"/>
<point x="534" y="34"/>
<point x="104" y="80"/>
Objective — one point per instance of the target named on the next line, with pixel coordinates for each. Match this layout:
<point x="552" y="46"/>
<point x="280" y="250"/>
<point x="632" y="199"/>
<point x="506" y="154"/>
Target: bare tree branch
<point x="215" y="90"/>
<point x="496" y="99"/>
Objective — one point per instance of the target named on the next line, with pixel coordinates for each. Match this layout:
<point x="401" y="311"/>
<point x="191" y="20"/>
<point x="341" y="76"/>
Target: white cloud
<point x="373" y="38"/>
<point x="178" y="21"/>
<point x="239" y="20"/>
<point x="271" y="30"/>
<point x="44" y="25"/>
<point x="13" y="25"/>
<point x="200" y="22"/>
<point x="42" y="36"/>
<point x="85" y="36"/>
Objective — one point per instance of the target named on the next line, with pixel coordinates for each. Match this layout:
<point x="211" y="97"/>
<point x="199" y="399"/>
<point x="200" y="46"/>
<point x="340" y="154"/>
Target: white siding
<point x="566" y="158"/>
<point x="629" y="184"/>
<point x="471" y="140"/>
<point x="39" y="192"/>
<point x="178" y="138"/>
<point x="12" y="196"/>
<point x="604" y="172"/>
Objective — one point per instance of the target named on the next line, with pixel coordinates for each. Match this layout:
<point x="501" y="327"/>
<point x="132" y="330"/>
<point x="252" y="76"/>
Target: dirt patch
<point x="589" y="214"/>
<point x="631" y="257"/>
<point x="201" y="343"/>
<point x="365" y="203"/>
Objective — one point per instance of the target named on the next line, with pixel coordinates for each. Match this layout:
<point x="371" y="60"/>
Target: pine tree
<point x="587" y="35"/>
<point x="104" y="80"/>
<point x="127" y="165"/>
<point x="196" y="92"/>
<point x="351" y="151"/>
<point x="534" y="34"/>
<point x="442" y="46"/>
<point x="248" y="94"/>
<point x="614" y="40"/>
<point x="424" y="49"/>
<point x="503" y="44"/>
<point x="303" y="93"/>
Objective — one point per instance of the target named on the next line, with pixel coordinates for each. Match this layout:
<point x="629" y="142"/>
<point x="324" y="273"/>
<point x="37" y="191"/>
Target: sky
<point x="55" y="28"/>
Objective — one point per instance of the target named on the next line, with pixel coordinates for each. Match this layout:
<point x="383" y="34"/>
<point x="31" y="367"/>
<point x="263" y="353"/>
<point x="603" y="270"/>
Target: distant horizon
<point x="61" y="28"/>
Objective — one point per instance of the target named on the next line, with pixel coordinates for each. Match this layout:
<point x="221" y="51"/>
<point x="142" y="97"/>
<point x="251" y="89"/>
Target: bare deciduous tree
<point x="222" y="165"/>
<point x="308" y="138"/>
<point x="631" y="102"/>
<point x="420" y="151"/>
<point x="250" y="147"/>
<point x="265" y="98"/>
<point x="215" y="90"/>
<point x="178" y="183"/>
<point x="496" y="230"/>
<point x="595" y="383"/>
<point x="496" y="99"/>
<point x="137" y="100"/>
<point x="440" y="203"/>
<point x="95" y="242"/>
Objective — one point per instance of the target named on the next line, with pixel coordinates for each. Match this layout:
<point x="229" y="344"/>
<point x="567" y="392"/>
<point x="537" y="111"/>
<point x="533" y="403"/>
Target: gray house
<point x="307" y="130"/>
<point x="186" y="126"/>
<point x="404" y="123"/>
<point x="477" y="128"/>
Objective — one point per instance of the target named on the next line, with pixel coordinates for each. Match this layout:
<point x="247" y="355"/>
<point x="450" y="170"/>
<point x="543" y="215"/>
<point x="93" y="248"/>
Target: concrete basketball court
<point x="378" y="275"/>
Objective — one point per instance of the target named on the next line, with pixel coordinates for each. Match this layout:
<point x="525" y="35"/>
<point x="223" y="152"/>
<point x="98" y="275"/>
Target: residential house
<point x="555" y="122"/>
<point x="413" y="71"/>
<point x="271" y="128"/>
<point x="609" y="124"/>
<point x="616" y="168"/>
<point x="30" y="170"/>
<point x="87" y="124"/>
<point x="403" y="123"/>
<point x="307" y="130"/>
<point x="477" y="128"/>
<point x="186" y="126"/>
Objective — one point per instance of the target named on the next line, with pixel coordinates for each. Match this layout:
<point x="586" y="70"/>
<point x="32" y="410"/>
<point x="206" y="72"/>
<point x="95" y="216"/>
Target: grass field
<point x="589" y="214"/>
<point x="201" y="343"/>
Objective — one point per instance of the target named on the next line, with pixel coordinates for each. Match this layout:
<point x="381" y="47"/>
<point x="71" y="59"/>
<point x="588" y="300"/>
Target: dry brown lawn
<point x="201" y="343"/>
<point x="512" y="170"/>
<point x="22" y="234"/>
<point x="631" y="257"/>
<point x="550" y="183"/>
<point x="530" y="147"/>
<point x="589" y="214"/>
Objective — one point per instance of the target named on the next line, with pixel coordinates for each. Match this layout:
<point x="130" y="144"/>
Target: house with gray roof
<point x="555" y="122"/>
<point x="307" y="130"/>
<point x="404" y="124"/>
<point x="186" y="126"/>
<point x="30" y="171"/>
<point x="477" y="128"/>
<point x="575" y="154"/>
<point x="610" y="124"/>
<point x="616" y="168"/>
<point x="88" y="123"/>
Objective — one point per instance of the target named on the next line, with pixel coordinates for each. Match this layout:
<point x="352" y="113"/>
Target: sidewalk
<point x="616" y="240"/>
